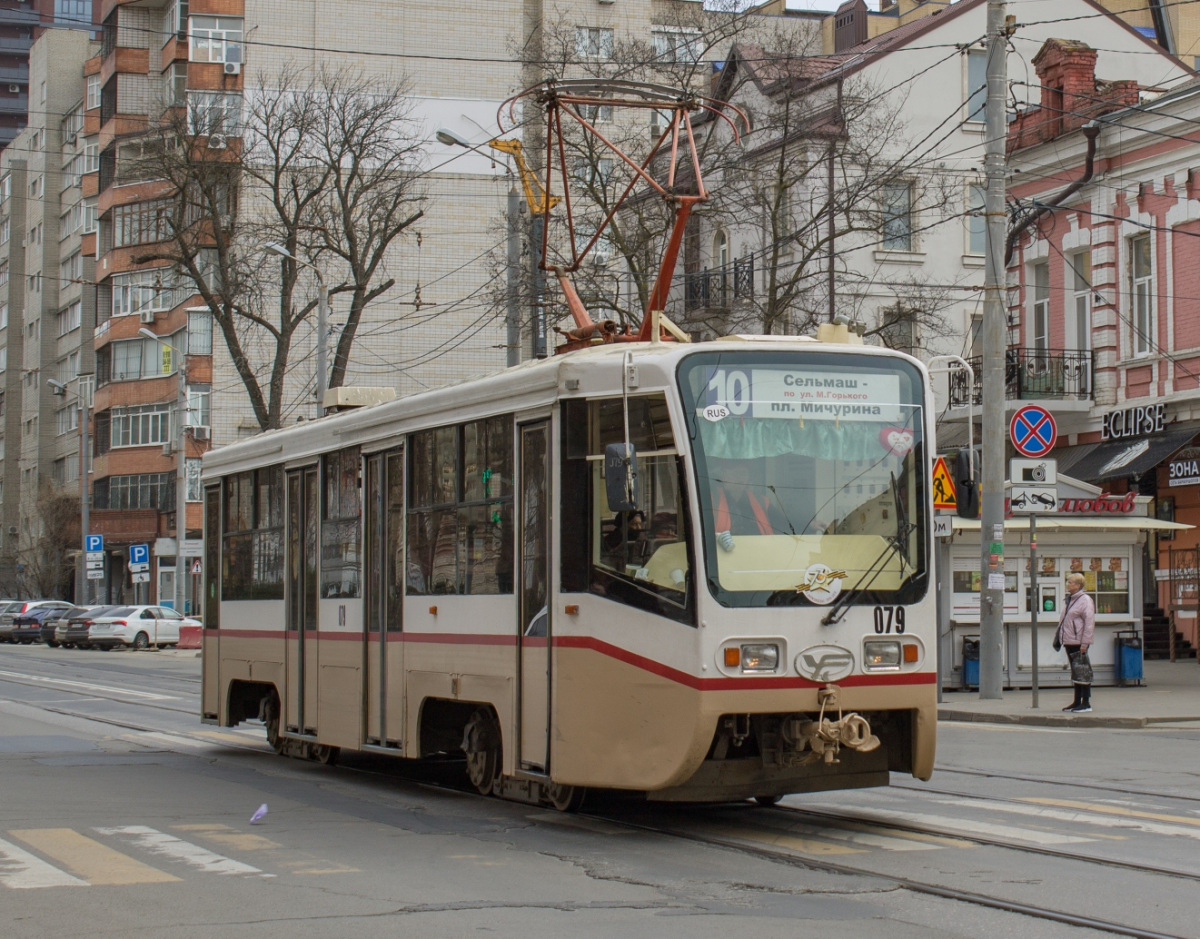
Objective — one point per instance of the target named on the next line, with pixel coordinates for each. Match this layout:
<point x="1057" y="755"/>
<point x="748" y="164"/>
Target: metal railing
<point x="1033" y="374"/>
<point x="717" y="288"/>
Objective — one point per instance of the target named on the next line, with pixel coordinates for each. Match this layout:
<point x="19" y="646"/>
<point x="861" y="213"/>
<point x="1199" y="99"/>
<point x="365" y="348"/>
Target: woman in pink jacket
<point x="1077" y="630"/>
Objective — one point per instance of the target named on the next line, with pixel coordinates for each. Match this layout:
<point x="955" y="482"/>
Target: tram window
<point x="212" y="556"/>
<point x="640" y="558"/>
<point x="461" y="541"/>
<point x="341" y="525"/>
<point x="252" y="567"/>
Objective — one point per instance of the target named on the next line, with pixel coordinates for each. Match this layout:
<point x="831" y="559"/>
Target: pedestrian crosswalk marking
<point x="804" y="845"/>
<point x="96" y="863"/>
<point x="156" y="842"/>
<point x="230" y="838"/>
<point x="1118" y="810"/>
<point x="1095" y="815"/>
<point x="21" y="870"/>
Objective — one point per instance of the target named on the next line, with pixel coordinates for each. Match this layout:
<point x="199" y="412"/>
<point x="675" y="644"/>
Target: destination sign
<point x="793" y="394"/>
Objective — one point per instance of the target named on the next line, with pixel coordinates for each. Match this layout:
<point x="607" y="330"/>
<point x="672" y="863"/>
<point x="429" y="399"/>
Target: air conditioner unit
<point x="233" y="68"/>
<point x="146" y="316"/>
<point x="168" y="448"/>
<point x="201" y="433"/>
<point x="217" y="142"/>
<point x="14" y="89"/>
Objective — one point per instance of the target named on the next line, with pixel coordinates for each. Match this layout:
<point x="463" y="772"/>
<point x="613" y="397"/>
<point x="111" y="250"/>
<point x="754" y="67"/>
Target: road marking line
<point x="1117" y="810"/>
<point x="67" y="683"/>
<point x="246" y="738"/>
<point x="1090" y="816"/>
<point x="23" y="871"/>
<point x="98" y="864"/>
<point x="803" y="845"/>
<point x="230" y="838"/>
<point x="156" y="842"/>
<point x="1003" y="832"/>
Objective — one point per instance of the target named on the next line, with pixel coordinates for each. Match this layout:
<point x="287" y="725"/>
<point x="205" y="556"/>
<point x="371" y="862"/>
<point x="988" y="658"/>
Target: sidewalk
<point x="1169" y="694"/>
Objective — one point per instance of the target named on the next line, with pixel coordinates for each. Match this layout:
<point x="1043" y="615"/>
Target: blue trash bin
<point x="1127" y="662"/>
<point x="970" y="663"/>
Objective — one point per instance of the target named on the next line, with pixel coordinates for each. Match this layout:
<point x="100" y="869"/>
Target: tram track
<point x="1018" y="777"/>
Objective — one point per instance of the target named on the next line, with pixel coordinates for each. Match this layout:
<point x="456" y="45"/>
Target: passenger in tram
<point x="741" y="507"/>
<point x="627" y="540"/>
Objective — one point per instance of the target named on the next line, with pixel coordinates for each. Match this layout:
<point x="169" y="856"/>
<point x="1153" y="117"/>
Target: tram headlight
<point x="881" y="654"/>
<point x="760" y="657"/>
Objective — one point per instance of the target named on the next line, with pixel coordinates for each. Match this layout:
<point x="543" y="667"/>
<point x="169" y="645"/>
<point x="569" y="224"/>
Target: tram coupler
<point x="823" y="738"/>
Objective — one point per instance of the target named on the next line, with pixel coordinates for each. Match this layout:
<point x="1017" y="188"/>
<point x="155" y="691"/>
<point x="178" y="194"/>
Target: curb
<point x="1054" y="720"/>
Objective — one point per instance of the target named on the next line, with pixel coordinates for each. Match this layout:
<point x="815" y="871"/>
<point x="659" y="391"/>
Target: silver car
<point x="15" y="608"/>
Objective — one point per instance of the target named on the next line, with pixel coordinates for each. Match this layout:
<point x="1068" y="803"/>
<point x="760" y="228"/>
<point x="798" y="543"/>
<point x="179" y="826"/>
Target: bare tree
<point x="44" y="565"/>
<point x="324" y="166"/>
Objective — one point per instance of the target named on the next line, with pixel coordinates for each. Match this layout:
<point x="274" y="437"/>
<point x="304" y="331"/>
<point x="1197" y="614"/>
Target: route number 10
<point x="731" y="389"/>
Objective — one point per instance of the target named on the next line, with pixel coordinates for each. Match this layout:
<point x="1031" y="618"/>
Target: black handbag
<point x="1058" y="639"/>
<point x="1081" y="668"/>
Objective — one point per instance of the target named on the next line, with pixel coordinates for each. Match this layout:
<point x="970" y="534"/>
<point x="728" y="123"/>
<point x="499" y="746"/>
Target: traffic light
<point x="965" y="486"/>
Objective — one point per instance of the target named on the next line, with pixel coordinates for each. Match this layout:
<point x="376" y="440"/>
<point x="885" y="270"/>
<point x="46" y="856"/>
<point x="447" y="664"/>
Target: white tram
<point x="463" y="571"/>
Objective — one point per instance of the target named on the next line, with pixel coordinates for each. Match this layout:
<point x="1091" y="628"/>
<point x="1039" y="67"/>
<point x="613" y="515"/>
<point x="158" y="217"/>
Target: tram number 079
<point x="889" y="619"/>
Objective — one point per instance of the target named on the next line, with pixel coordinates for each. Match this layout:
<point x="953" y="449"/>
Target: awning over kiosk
<point x="1117" y="459"/>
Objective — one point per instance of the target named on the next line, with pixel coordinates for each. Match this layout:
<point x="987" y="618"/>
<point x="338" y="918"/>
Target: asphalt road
<point x="120" y="814"/>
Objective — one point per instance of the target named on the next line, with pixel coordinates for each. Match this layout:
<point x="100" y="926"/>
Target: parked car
<point x="138" y="627"/>
<point x="52" y="623"/>
<point x="18" y="607"/>
<point x="75" y="635"/>
<point x="27" y="626"/>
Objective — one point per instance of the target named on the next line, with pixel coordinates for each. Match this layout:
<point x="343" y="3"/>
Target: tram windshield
<point x="809" y="474"/>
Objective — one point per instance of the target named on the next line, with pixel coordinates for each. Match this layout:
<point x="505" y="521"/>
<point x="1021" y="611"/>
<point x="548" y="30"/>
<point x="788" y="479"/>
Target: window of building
<point x="3" y="315"/>
<point x="70" y="368"/>
<point x="33" y="283"/>
<point x="460" y="528"/>
<point x="976" y="91"/>
<point x="896" y="199"/>
<point x="141" y="223"/>
<point x="3" y="273"/>
<point x="175" y="85"/>
<point x="5" y="230"/>
<point x="677" y="45"/>
<point x="72" y="268"/>
<point x="177" y="19"/>
<point x="37" y="187"/>
<point x="1142" y="276"/>
<point x="70" y="318"/>
<point x="596" y="113"/>
<point x="3" y="359"/>
<point x="252" y="563"/>
<point x="214" y="113"/>
<point x="976" y="220"/>
<point x="151" y="290"/>
<point x="73" y="12"/>
<point x="92" y="99"/>
<point x="1041" y="307"/>
<point x="72" y="124"/>
<point x="200" y="332"/>
<point x="1081" y="278"/>
<point x="35" y="234"/>
<point x="38" y="140"/>
<point x="199" y="408"/>
<point x="140" y="426"/>
<point x="131" y="359"/>
<point x="140" y="491"/>
<point x="68" y="420"/>
<point x="91" y="159"/>
<point x="89" y="217"/>
<point x="593" y="42"/>
<point x="5" y="187"/>
<point x="215" y="39"/>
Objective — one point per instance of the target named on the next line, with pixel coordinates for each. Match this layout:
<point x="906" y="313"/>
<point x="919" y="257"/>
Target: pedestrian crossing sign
<point x="944" y="496"/>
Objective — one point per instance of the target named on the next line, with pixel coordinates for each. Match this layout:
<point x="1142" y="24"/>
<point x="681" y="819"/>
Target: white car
<point x="137" y="627"/>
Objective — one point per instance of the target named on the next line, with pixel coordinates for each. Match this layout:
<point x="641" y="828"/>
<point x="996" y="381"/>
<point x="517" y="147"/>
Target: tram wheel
<point x="271" y="722"/>
<point x="565" y="798"/>
<point x="323" y="754"/>
<point x="767" y="801"/>
<point x="481" y="743"/>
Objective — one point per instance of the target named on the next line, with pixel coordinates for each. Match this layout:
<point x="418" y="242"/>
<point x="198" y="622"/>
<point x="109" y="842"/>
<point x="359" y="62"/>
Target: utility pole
<point x="991" y="529"/>
<point x="322" y="338"/>
<point x="513" y="316"/>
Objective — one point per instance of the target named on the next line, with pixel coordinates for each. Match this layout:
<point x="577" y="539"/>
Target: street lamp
<point x="513" y="318"/>
<point x="59" y="389"/>
<point x="322" y="318"/>
<point x="180" y="467"/>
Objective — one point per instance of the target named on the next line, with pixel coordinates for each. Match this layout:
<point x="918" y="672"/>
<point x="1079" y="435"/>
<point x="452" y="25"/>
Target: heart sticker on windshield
<point x="899" y="440"/>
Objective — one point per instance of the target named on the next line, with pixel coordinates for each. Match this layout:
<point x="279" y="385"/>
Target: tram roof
<point x="595" y="372"/>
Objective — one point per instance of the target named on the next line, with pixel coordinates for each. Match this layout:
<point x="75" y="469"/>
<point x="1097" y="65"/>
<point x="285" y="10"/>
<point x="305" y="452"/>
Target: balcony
<point x="716" y="289"/>
<point x="1031" y="375"/>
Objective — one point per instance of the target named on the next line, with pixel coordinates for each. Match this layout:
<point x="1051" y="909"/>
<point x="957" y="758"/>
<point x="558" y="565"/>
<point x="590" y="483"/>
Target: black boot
<point x="1074" y="701"/>
<point x="1085" y="699"/>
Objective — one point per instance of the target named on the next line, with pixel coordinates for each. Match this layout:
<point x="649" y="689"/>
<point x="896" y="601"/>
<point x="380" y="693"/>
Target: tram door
<point x="533" y="638"/>
<point x="385" y="567"/>
<point x="300" y="706"/>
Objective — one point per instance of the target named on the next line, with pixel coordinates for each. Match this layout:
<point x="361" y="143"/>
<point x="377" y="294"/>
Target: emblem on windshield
<point x="715" y="412"/>
<point x="825" y="663"/>
<point x="821" y="584"/>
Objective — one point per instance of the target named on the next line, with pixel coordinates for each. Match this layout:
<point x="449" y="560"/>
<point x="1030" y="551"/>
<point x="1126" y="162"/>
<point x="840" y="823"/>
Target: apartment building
<point x="46" y="306"/>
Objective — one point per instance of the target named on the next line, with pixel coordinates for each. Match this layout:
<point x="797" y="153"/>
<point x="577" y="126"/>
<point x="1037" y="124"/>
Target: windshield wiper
<point x="896" y="544"/>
